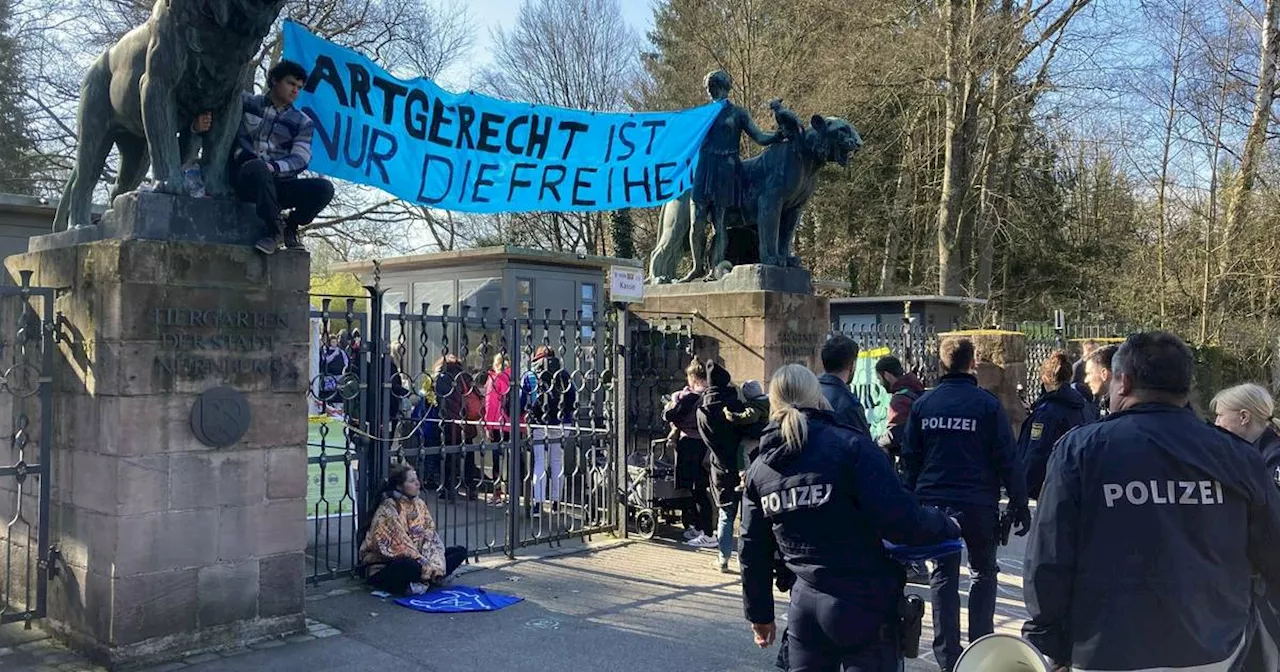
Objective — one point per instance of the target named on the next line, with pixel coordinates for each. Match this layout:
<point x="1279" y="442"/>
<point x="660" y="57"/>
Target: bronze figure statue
<point x="145" y="92"/>
<point x="775" y="186"/>
<point x="716" y="178"/>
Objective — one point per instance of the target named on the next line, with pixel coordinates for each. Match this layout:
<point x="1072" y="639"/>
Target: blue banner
<point x="474" y="153"/>
<point x="458" y="599"/>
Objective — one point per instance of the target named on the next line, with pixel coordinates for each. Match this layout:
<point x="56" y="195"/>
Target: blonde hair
<point x="1248" y="397"/>
<point x="499" y="362"/>
<point x="793" y="388"/>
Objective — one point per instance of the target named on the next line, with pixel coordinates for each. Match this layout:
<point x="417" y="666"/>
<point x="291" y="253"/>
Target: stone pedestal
<point x="756" y="319"/>
<point x="167" y="545"/>
<point x="1002" y="366"/>
<point x="147" y="215"/>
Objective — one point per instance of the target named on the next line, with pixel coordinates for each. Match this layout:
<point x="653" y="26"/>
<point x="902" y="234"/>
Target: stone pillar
<point x="167" y="545"/>
<point x="1002" y="366"/>
<point x="756" y="319"/>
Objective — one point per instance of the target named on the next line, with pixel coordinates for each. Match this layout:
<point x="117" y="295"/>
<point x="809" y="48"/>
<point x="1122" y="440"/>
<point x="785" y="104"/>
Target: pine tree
<point x="16" y="146"/>
<point x="622" y="228"/>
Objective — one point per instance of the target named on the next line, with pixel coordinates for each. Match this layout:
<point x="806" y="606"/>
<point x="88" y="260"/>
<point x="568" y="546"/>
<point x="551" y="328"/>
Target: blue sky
<point x="487" y="15"/>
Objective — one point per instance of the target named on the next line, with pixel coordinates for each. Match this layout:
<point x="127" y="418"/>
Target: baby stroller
<point x="651" y="491"/>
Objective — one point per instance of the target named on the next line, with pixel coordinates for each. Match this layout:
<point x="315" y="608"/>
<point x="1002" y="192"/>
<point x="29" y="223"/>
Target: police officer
<point x="957" y="451"/>
<point x="1097" y="377"/>
<point x="1058" y="410"/>
<point x="1149" y="527"/>
<point x="825" y="496"/>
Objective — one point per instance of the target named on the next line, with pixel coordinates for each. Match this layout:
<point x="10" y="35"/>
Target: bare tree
<point x="570" y="53"/>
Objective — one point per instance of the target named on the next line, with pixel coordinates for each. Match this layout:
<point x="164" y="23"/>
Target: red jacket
<point x="905" y="391"/>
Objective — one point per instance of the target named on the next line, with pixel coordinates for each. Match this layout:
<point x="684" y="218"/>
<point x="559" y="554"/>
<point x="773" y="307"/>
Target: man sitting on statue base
<point x="272" y="147"/>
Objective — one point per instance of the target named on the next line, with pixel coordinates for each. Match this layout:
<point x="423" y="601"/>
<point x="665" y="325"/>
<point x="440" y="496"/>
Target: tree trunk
<point x="1161" y="200"/>
<point x="1263" y="95"/>
<point x="956" y="162"/>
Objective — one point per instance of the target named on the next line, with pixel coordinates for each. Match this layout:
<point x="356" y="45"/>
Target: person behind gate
<point x="552" y="407"/>
<point x="402" y="553"/>
<point x="825" y="496"/>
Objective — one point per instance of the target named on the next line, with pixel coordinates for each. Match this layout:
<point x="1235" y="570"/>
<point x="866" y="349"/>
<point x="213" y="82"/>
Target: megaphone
<point x="1002" y="653"/>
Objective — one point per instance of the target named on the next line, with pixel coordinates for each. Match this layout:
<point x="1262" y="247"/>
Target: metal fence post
<point x="622" y="433"/>
<point x="374" y="463"/>
<point x="515" y="456"/>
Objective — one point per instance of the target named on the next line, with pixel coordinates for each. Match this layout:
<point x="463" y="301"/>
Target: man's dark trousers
<point x="980" y="527"/>
<point x="256" y="184"/>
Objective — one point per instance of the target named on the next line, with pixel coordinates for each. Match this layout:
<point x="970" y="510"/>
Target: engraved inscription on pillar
<point x="799" y="344"/>
<point x="199" y="343"/>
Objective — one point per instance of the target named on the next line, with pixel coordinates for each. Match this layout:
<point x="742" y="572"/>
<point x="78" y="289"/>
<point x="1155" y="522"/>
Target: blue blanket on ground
<point x="919" y="553"/>
<point x="457" y="599"/>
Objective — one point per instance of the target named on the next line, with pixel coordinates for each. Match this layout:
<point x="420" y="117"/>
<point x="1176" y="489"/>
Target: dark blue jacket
<point x="826" y="507"/>
<point x="958" y="447"/>
<point x="844" y="403"/>
<point x="1053" y="415"/>
<point x="1269" y="445"/>
<point x="1148" y="530"/>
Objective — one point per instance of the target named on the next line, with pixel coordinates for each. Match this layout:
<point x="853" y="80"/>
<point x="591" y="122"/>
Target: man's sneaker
<point x="418" y="588"/>
<point x="722" y="564"/>
<point x="267" y="244"/>
<point x="703" y="541"/>
<point x="692" y="533"/>
<point x="291" y="241"/>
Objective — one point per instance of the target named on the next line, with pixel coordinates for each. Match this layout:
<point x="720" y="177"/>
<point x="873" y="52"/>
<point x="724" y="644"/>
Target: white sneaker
<point x="692" y="533"/>
<point x="418" y="588"/>
<point x="703" y="541"/>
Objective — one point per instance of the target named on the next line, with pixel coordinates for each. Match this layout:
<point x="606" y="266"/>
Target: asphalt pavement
<point x="614" y="605"/>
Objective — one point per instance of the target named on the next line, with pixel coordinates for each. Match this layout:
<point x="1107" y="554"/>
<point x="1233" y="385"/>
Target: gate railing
<point x="26" y="347"/>
<point x="417" y="393"/>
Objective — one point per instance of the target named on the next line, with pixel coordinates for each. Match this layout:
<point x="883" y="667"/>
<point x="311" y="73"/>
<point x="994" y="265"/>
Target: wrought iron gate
<point x="26" y="350"/>
<point x="420" y="390"/>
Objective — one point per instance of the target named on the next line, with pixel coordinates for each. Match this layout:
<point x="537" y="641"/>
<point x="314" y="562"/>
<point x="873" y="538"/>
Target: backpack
<point x="908" y="393"/>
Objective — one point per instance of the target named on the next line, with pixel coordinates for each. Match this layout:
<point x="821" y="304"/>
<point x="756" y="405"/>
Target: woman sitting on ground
<point x="402" y="553"/>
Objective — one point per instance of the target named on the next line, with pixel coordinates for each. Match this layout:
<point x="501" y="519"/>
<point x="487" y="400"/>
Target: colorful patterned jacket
<point x="403" y="528"/>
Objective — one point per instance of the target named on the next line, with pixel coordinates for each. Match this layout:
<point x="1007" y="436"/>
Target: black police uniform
<point x="826" y="508"/>
<point x="956" y="453"/>
<point x="1269" y="446"/>
<point x="1148" y="529"/>
<point x="1054" y="413"/>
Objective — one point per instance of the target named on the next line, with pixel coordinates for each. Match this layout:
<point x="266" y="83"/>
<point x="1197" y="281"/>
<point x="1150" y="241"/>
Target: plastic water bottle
<point x="193" y="180"/>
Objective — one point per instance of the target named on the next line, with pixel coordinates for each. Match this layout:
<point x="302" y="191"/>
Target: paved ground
<point x="614" y="606"/>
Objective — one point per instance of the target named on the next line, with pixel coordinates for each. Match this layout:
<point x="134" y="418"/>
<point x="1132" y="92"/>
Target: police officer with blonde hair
<point x="1248" y="411"/>
<point x="1149" y="528"/>
<point x="823" y="495"/>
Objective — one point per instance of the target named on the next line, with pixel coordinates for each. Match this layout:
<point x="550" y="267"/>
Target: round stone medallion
<point x="220" y="417"/>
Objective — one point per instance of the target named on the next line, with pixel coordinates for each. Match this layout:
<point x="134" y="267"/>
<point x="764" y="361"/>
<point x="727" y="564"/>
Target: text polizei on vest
<point x="958" y="424"/>
<point x="1139" y="493"/>
<point x="798" y="497"/>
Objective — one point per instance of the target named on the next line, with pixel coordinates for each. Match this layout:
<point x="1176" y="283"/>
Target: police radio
<point x="1002" y="653"/>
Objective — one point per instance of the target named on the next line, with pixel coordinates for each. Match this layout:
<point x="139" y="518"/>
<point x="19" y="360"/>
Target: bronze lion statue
<point x="776" y="186"/>
<point x="142" y="95"/>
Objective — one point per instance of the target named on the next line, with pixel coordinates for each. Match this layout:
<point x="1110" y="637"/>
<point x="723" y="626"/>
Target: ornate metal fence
<point x="509" y="421"/>
<point x="659" y="348"/>
<point x="26" y="350"/>
<point x="336" y="442"/>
